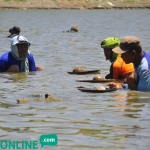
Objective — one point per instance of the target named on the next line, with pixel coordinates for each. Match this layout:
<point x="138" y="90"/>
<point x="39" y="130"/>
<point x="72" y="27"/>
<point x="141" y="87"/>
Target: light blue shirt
<point x="143" y="73"/>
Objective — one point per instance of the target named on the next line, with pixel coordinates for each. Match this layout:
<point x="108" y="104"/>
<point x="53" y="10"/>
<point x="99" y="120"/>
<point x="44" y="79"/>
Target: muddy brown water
<point x="82" y="121"/>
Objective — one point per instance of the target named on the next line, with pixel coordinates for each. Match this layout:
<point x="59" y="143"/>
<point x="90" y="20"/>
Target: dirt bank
<point x="74" y="4"/>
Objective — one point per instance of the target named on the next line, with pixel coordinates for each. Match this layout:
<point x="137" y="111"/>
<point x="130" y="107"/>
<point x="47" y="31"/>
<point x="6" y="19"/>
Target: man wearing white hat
<point x="19" y="59"/>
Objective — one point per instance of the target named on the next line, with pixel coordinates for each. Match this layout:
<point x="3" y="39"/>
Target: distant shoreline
<point x="75" y="4"/>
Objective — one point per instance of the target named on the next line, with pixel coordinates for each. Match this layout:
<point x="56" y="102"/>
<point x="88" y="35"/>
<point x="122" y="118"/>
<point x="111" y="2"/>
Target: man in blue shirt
<point x="19" y="59"/>
<point x="131" y="51"/>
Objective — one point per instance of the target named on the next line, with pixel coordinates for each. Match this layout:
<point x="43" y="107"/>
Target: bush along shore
<point x="74" y="4"/>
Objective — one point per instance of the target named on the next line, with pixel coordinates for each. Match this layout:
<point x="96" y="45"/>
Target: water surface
<point x="83" y="121"/>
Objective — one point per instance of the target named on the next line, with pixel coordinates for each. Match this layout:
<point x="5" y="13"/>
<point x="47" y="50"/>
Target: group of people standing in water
<point x="128" y="60"/>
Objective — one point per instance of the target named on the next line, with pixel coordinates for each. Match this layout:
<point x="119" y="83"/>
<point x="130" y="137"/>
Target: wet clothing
<point x="119" y="69"/>
<point x="7" y="60"/>
<point x="143" y="73"/>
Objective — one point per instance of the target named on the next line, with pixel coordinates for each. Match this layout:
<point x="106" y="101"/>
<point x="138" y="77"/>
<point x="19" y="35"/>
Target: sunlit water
<point x="82" y="121"/>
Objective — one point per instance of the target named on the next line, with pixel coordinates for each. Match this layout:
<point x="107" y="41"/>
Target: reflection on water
<point x="115" y="121"/>
<point x="6" y="105"/>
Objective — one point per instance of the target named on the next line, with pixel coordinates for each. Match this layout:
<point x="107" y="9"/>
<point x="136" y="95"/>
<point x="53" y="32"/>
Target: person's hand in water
<point x="131" y="80"/>
<point x="113" y="85"/>
<point x="39" y="68"/>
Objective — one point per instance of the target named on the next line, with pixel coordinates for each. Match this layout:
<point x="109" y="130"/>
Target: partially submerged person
<point x="73" y="29"/>
<point x="14" y="31"/>
<point x="19" y="59"/>
<point x="131" y="51"/>
<point x="118" y="69"/>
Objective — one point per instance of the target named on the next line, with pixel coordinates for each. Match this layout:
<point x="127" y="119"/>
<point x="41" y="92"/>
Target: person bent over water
<point x="19" y="59"/>
<point x="118" y="69"/>
<point x="131" y="51"/>
<point x="73" y="29"/>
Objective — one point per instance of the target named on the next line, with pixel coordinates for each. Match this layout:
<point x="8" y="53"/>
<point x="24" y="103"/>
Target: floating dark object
<point x="101" y="80"/>
<point x="84" y="72"/>
<point x="93" y="90"/>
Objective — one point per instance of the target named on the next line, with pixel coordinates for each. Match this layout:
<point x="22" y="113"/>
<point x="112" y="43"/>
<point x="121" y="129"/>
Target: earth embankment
<point x="74" y="4"/>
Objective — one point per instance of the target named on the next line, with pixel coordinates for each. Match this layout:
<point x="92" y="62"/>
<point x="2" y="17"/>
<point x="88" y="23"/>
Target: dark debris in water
<point x="48" y="98"/>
